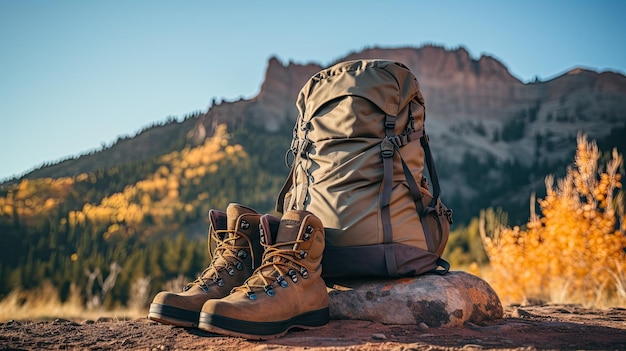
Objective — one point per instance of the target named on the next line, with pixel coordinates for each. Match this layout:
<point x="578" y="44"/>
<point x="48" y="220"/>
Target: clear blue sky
<point x="77" y="74"/>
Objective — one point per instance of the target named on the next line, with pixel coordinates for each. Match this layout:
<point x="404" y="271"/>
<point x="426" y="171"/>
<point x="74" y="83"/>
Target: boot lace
<point x="278" y="265"/>
<point x="228" y="257"/>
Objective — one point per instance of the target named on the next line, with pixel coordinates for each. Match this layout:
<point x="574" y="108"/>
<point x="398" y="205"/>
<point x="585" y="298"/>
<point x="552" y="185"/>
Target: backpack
<point x="357" y="156"/>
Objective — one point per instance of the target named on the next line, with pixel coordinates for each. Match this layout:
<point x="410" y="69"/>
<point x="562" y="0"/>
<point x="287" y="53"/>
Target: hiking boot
<point x="285" y="292"/>
<point x="238" y="251"/>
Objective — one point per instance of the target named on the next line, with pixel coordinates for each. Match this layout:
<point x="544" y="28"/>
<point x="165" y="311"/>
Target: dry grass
<point x="574" y="251"/>
<point x="44" y="304"/>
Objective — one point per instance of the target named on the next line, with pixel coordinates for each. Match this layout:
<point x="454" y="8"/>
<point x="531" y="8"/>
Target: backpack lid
<point x="389" y="85"/>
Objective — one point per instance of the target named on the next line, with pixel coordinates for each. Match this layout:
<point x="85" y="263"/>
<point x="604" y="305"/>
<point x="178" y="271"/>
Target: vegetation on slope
<point x="574" y="250"/>
<point x="75" y="230"/>
<point x="115" y="236"/>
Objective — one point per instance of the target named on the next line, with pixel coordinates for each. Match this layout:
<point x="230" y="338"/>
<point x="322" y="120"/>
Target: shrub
<point x="574" y="251"/>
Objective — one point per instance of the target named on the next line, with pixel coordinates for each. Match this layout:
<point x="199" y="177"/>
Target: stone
<point x="520" y="313"/>
<point x="428" y="300"/>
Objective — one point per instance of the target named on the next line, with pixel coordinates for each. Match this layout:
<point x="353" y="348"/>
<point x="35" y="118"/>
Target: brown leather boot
<point x="285" y="292"/>
<point x="238" y="251"/>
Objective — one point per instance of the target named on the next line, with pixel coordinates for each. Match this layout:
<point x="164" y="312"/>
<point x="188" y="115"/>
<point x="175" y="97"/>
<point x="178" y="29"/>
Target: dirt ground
<point x="545" y="327"/>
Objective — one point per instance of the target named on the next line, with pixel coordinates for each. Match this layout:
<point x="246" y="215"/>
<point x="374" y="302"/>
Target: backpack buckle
<point x="390" y="122"/>
<point x="398" y="140"/>
<point x="305" y="147"/>
<point x="386" y="148"/>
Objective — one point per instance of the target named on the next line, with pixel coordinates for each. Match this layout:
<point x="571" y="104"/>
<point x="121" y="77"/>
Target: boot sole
<point x="262" y="330"/>
<point x="173" y="315"/>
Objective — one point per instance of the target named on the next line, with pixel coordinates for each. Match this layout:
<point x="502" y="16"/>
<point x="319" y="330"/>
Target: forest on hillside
<point x="143" y="219"/>
<point x="141" y="227"/>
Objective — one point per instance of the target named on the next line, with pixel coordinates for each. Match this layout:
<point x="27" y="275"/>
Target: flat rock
<point x="434" y="300"/>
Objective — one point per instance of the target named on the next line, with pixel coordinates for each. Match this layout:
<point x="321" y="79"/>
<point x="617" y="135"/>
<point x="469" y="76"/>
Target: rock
<point x="471" y="347"/>
<point x="520" y="313"/>
<point x="104" y="320"/>
<point x="432" y="300"/>
<point x="63" y="321"/>
<point x="532" y="301"/>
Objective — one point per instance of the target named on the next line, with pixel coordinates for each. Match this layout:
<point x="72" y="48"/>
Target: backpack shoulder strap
<point x="280" y="201"/>
<point x="430" y="164"/>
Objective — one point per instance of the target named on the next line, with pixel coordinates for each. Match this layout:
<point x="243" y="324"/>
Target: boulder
<point x="433" y="300"/>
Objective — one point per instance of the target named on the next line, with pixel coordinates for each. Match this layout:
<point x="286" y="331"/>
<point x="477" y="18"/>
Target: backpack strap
<point x="445" y="267"/>
<point x="300" y="149"/>
<point x="280" y="201"/>
<point x="389" y="145"/>
<point x="432" y="171"/>
<point x="293" y="149"/>
<point x="419" y="205"/>
<point x="387" y="151"/>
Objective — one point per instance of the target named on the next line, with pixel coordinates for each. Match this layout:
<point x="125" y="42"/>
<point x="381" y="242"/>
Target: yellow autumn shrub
<point x="573" y="252"/>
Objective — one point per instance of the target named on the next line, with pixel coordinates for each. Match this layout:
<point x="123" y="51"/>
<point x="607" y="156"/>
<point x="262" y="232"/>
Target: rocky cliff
<point x="483" y="121"/>
<point x="474" y="107"/>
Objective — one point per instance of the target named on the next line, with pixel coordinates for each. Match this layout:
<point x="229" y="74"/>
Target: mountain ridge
<point x="440" y="72"/>
<point x="141" y="202"/>
<point x="476" y="111"/>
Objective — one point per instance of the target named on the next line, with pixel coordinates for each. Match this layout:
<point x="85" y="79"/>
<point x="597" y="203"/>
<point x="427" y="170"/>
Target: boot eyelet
<point x="204" y="288"/>
<point x="244" y="225"/>
<point x="230" y="270"/>
<point x="309" y="229"/>
<point x="242" y="254"/>
<point x="304" y="273"/>
<point x="268" y="290"/>
<point x="281" y="280"/>
<point x="251" y="295"/>
<point x="293" y="276"/>
<point x="239" y="266"/>
<point x="220" y="282"/>
<point x="302" y="254"/>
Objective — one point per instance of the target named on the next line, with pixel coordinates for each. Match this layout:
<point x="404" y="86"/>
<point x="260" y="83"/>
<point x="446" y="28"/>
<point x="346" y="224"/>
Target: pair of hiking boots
<point x="264" y="277"/>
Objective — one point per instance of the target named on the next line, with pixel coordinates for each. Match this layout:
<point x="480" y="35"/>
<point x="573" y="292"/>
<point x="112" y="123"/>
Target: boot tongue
<point x="269" y="229"/>
<point x="288" y="232"/>
<point x="290" y="225"/>
<point x="233" y="214"/>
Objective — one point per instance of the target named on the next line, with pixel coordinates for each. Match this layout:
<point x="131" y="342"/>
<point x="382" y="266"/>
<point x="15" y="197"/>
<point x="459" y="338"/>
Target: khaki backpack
<point x="358" y="153"/>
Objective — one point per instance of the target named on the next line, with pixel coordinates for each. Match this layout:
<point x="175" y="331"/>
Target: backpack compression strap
<point x="299" y="149"/>
<point x="280" y="201"/>
<point x="419" y="205"/>
<point x="389" y="145"/>
<point x="387" y="149"/>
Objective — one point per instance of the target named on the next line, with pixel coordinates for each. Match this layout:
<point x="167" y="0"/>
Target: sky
<point x="76" y="75"/>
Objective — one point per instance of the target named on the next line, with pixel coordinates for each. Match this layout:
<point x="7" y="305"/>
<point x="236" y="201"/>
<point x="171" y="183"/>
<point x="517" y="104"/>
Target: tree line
<point x="109" y="231"/>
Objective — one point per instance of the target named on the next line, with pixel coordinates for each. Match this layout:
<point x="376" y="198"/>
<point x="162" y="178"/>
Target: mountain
<point x="141" y="203"/>
<point x="494" y="137"/>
